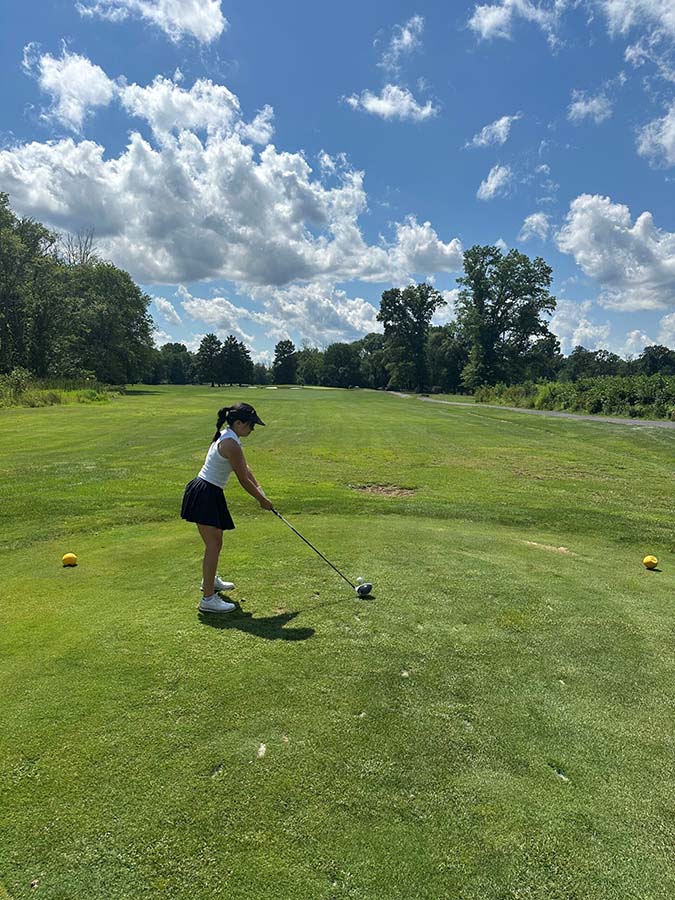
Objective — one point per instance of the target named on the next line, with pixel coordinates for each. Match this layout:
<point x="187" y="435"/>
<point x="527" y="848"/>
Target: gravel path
<point x="610" y="420"/>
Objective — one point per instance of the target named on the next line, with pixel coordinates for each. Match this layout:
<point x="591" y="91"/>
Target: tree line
<point x="66" y="313"/>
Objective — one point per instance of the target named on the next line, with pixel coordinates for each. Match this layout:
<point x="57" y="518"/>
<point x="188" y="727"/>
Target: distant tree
<point x="406" y="314"/>
<point x="31" y="306"/>
<point x="208" y="359"/>
<point x="583" y="363"/>
<point x="67" y="313"/>
<point x="285" y="363"/>
<point x="373" y="372"/>
<point x="447" y="355"/>
<point x="341" y="365"/>
<point x="78" y="249"/>
<point x="310" y="365"/>
<point x="178" y="364"/>
<point x="155" y="368"/>
<point x="261" y="374"/>
<point x="110" y="329"/>
<point x="656" y="360"/>
<point x="499" y="313"/>
<point x="232" y="361"/>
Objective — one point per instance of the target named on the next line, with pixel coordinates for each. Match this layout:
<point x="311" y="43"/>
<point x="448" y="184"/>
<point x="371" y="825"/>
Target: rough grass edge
<point x="33" y="393"/>
<point x="634" y="396"/>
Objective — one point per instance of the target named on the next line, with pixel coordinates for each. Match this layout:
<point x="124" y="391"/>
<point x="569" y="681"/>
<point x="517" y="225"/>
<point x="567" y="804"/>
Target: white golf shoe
<point x="214" y="604"/>
<point x="220" y="585"/>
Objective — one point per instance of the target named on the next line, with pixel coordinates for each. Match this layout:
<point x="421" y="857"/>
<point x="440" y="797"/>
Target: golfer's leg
<point x="213" y="542"/>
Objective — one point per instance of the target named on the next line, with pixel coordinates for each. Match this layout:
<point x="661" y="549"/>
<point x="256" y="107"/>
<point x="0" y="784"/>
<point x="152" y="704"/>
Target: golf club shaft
<point x="285" y="521"/>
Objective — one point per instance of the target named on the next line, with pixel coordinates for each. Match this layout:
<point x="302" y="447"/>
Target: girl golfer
<point x="204" y="501"/>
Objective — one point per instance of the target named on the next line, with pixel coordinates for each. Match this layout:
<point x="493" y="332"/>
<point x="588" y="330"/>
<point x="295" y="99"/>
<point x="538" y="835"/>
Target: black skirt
<point x="205" y="504"/>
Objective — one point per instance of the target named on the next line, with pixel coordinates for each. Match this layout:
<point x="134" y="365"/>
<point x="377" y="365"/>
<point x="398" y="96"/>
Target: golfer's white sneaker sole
<point x="214" y="604"/>
<point x="220" y="585"/>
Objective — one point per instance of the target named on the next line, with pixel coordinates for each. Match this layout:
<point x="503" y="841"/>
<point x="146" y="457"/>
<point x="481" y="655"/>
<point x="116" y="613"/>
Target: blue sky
<point x="267" y="170"/>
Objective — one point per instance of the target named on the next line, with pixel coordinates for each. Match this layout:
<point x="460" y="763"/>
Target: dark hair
<point x="243" y="412"/>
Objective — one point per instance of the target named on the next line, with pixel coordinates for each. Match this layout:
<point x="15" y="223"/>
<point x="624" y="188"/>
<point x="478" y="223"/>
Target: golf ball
<point x="650" y="562"/>
<point x="359" y="580"/>
<point x="69" y="559"/>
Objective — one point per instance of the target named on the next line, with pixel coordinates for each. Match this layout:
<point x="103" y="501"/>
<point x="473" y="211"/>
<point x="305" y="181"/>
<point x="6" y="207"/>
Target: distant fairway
<point x="497" y="723"/>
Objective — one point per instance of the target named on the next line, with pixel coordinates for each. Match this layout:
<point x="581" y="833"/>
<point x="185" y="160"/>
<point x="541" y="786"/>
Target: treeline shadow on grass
<point x="138" y="392"/>
<point x="271" y="628"/>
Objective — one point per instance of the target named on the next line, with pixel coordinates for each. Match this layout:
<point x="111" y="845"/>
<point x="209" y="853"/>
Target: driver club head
<point x="364" y="589"/>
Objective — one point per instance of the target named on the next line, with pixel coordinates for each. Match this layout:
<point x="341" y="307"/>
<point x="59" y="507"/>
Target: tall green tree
<point x="208" y="359"/>
<point x="285" y="363"/>
<point x="656" y="360"/>
<point x="236" y="364"/>
<point x="229" y="360"/>
<point x="583" y="363"/>
<point x="447" y="354"/>
<point x="67" y="314"/>
<point x="110" y="330"/>
<point x="177" y="362"/>
<point x="341" y="365"/>
<point x="30" y="294"/>
<point x="261" y="374"/>
<point x="406" y="314"/>
<point x="310" y="365"/>
<point x="373" y="373"/>
<point x="500" y="310"/>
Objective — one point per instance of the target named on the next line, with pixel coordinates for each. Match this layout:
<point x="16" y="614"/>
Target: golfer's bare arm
<point x="232" y="451"/>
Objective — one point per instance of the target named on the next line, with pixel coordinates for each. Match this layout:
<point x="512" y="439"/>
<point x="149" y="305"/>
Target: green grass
<point x="497" y="723"/>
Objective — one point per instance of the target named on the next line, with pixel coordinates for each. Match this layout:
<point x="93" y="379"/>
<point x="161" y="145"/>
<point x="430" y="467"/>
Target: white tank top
<point x="216" y="468"/>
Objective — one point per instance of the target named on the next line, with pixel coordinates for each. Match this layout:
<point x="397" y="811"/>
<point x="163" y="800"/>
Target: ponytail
<point x="243" y="412"/>
<point x="222" y="417"/>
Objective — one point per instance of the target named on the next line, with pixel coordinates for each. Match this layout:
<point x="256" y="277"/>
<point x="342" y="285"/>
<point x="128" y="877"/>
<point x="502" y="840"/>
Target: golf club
<point x="362" y="590"/>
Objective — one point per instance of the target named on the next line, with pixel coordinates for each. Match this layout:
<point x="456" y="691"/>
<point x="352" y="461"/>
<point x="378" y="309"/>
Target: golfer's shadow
<point x="271" y="628"/>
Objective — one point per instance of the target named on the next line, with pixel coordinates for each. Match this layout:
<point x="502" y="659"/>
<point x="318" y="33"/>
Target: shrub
<point x="634" y="396"/>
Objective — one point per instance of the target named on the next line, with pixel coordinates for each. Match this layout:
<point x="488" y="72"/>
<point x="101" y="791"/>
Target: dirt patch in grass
<point x="562" y="550"/>
<point x="387" y="490"/>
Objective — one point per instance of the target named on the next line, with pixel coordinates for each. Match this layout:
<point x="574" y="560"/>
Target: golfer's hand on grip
<point x="266" y="504"/>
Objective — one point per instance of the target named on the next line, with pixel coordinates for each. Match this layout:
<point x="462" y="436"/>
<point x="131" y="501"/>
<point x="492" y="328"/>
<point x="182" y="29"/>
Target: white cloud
<point x="598" y="108"/>
<point x="161" y="337"/>
<point x="167" y="310"/>
<point x="202" y="20"/>
<point x="318" y="313"/>
<point x="656" y="140"/>
<point x="192" y="210"/>
<point x="633" y="263"/>
<point x="496" y="20"/>
<point x="218" y="313"/>
<point x="187" y="206"/>
<point x="536" y="225"/>
<point x="571" y="324"/>
<point x="75" y="85"/>
<point x="445" y="314"/>
<point x="393" y="102"/>
<point x="625" y="15"/>
<point x="656" y="48"/>
<point x="635" y="343"/>
<point x="168" y="108"/>
<point x="418" y="249"/>
<point x="405" y="39"/>
<point x="667" y="331"/>
<point x="496" y="133"/>
<point x="496" y="184"/>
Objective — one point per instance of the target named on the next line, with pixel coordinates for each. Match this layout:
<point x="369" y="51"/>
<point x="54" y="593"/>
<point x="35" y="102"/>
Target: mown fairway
<point x="497" y="723"/>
